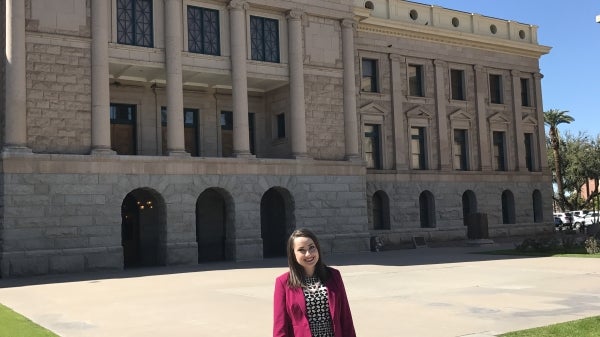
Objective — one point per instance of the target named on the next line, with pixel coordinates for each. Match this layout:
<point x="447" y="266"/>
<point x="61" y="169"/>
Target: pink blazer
<point x="290" y="318"/>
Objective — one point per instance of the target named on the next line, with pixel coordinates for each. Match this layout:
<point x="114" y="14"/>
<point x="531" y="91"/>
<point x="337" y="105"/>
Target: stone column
<point x="541" y="158"/>
<point x="237" y="22"/>
<point x="350" y="118"/>
<point x="15" y="127"/>
<point x="173" y="46"/>
<point x="481" y="90"/>
<point x="519" y="138"/>
<point x="444" y="139"/>
<point x="296" y="66"/>
<point x="400" y="138"/>
<point x="100" y="87"/>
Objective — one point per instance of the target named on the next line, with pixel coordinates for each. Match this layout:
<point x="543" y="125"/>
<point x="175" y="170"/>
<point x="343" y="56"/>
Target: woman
<point x="310" y="300"/>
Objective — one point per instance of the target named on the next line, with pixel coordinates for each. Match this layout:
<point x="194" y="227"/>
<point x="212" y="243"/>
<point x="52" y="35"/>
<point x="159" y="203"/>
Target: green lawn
<point x="15" y="325"/>
<point x="587" y="327"/>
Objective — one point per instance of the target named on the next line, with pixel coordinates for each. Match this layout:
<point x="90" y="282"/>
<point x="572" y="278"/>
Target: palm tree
<point x="553" y="118"/>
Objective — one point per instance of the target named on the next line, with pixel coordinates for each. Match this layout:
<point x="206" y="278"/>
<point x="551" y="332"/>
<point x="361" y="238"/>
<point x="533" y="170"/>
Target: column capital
<point x="238" y="4"/>
<point x="349" y="23"/>
<point x="515" y="73"/>
<point x="397" y="58"/>
<point x="538" y="76"/>
<point x="439" y="63"/>
<point x="294" y="14"/>
<point x="478" y="67"/>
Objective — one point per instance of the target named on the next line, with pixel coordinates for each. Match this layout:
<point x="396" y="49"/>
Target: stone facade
<point x="101" y="175"/>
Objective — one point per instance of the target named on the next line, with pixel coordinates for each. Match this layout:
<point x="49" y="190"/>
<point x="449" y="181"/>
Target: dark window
<point x="457" y="79"/>
<point x="134" y="22"/>
<point x="372" y="146"/>
<point x="380" y="206"/>
<point x="496" y="89"/>
<point x="417" y="147"/>
<point x="281" y="126"/>
<point x="226" y="120"/>
<point x="427" y="209"/>
<point x="264" y="39"/>
<point x="415" y="80"/>
<point x="525" y="101"/>
<point x="369" y="76"/>
<point x="469" y="205"/>
<point x="251" y="131"/>
<point x="499" y="155"/>
<point x="460" y="149"/>
<point x="529" y="151"/>
<point x="203" y="30"/>
<point x="508" y="207"/>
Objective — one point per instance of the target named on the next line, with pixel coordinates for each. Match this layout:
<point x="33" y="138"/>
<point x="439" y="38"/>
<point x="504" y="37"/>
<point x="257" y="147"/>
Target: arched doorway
<point x="211" y="223"/>
<point x="143" y="223"/>
<point x="538" y="213"/>
<point x="276" y="221"/>
<point x="469" y="204"/>
<point x="380" y="207"/>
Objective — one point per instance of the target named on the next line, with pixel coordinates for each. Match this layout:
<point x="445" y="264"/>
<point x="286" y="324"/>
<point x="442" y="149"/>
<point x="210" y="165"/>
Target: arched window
<point x="538" y="214"/>
<point x="427" y="209"/>
<point x="469" y="204"/>
<point x="508" y="207"/>
<point x="380" y="208"/>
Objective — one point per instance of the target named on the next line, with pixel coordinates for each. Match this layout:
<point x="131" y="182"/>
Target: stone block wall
<point x="63" y="213"/>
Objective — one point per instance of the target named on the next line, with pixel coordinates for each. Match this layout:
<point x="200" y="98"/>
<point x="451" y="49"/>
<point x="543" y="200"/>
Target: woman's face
<point x="307" y="254"/>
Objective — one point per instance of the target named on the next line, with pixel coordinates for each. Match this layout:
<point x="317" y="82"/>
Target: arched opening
<point x="427" y="209"/>
<point x="369" y="5"/>
<point x="538" y="213"/>
<point x="276" y="221"/>
<point x="143" y="224"/>
<point x="212" y="219"/>
<point x="508" y="207"/>
<point x="380" y="211"/>
<point x="469" y="204"/>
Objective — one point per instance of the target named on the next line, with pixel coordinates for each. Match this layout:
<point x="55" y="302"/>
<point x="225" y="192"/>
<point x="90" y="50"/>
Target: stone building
<point x="161" y="132"/>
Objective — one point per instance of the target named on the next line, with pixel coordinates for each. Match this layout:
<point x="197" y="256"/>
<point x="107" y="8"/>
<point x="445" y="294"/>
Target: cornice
<point x="437" y="35"/>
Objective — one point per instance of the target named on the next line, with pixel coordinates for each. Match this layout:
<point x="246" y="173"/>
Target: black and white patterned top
<point x="317" y="307"/>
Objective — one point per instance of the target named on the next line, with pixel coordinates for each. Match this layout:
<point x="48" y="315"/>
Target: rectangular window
<point x="368" y="82"/>
<point x="281" y="126"/>
<point x="371" y="146"/>
<point x="417" y="147"/>
<point x="496" y="89"/>
<point x="134" y="22"/>
<point x="457" y="79"/>
<point x="499" y="153"/>
<point x="264" y="39"/>
<point x="529" y="151"/>
<point x="460" y="150"/>
<point x="415" y="80"/>
<point x="203" y="30"/>
<point x="525" y="100"/>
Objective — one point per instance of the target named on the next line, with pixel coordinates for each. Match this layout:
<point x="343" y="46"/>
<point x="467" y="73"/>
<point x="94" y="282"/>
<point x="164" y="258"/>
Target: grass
<point x="587" y="327"/>
<point x="16" y="325"/>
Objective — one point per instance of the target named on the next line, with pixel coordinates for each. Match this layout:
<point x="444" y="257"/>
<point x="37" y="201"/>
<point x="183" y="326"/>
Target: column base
<point x="178" y="153"/>
<point x="13" y="149"/>
<point x="102" y="151"/>
<point x="353" y="158"/>
<point x="301" y="156"/>
<point x="247" y="155"/>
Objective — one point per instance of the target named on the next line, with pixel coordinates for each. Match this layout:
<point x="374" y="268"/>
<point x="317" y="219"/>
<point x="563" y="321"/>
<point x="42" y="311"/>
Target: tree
<point x="553" y="118"/>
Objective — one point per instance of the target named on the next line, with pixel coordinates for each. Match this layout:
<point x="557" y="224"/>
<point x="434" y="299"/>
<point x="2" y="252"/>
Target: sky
<point x="572" y="68"/>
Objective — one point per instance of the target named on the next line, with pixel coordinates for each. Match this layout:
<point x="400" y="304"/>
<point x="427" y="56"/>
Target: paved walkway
<point x="426" y="292"/>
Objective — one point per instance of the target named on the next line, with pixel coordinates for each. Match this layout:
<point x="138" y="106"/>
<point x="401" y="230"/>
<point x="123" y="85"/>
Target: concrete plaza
<point x="425" y="292"/>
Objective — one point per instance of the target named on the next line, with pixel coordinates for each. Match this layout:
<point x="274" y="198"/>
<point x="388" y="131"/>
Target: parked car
<point x="557" y="223"/>
<point x="566" y="218"/>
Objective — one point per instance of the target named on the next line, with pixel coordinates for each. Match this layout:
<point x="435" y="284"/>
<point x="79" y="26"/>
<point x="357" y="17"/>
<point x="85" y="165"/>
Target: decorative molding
<point x="498" y="118"/>
<point x="295" y="14"/>
<point x="349" y="23"/>
<point x="238" y="5"/>
<point x="419" y="112"/>
<point x="373" y="108"/>
<point x="529" y="121"/>
<point x="460" y="114"/>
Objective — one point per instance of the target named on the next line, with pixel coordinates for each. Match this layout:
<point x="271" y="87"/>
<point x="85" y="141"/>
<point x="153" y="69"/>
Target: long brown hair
<point x="296" y="270"/>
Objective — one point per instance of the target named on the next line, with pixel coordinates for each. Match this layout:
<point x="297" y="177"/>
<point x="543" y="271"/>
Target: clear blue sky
<point x="572" y="68"/>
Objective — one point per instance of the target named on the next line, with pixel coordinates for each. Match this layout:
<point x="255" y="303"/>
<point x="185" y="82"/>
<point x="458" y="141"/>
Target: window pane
<point x="460" y="149"/>
<point x="369" y="75"/>
<point x="134" y="22"/>
<point x="496" y="89"/>
<point x="264" y="39"/>
<point x="499" y="156"/>
<point x="529" y="151"/>
<point x="457" y="79"/>
<point x="525" y="92"/>
<point x="417" y="145"/>
<point x="371" y="146"/>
